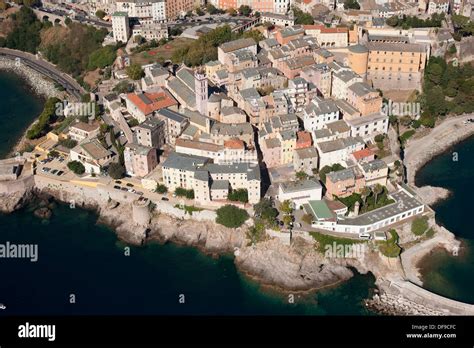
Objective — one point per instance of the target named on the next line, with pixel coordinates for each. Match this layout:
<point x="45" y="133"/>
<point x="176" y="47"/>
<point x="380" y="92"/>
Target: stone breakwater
<point x="37" y="82"/>
<point x="388" y="304"/>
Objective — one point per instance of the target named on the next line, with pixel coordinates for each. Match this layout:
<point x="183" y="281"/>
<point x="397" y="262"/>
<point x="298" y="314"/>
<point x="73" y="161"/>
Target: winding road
<point x="47" y="69"/>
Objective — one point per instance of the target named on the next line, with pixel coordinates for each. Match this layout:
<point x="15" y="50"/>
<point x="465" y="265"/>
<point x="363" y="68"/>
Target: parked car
<point x="54" y="171"/>
<point x="117" y="187"/>
<point x="124" y="189"/>
<point x="365" y="236"/>
<point x="46" y="169"/>
<point x="118" y="182"/>
<point x="129" y="184"/>
<point x="60" y="173"/>
<point x="139" y="193"/>
<point x="164" y="199"/>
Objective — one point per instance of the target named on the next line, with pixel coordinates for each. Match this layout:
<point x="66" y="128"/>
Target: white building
<point x="318" y="113"/>
<point x="93" y="156"/>
<point x="341" y="81"/>
<point x="120" y="26"/>
<point x="80" y="131"/>
<point x="151" y="31"/>
<point x="300" y="192"/>
<point x="368" y="126"/>
<point x="338" y="151"/>
<point x="233" y="151"/>
<point x="438" y="6"/>
<point x="278" y="18"/>
<point x="406" y="206"/>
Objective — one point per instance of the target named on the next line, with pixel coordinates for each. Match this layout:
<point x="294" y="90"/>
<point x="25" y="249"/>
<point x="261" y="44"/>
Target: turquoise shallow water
<point x="77" y="256"/>
<point x="449" y="275"/>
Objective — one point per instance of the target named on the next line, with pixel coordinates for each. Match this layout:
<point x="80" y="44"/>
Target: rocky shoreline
<point x="40" y="85"/>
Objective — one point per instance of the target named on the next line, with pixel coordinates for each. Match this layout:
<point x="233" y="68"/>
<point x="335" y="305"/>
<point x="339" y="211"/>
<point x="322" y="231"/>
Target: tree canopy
<point x="231" y="216"/>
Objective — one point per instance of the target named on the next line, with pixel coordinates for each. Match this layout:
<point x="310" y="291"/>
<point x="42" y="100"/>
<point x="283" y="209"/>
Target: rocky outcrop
<point x="15" y="194"/>
<point x="43" y="213"/>
<point x="431" y="194"/>
<point x="9" y="202"/>
<point x="298" y="267"/>
<point x="208" y="236"/>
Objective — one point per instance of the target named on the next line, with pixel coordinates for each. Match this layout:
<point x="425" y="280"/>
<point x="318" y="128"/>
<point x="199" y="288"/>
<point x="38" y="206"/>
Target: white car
<point x="2" y="306"/>
<point x="365" y="236"/>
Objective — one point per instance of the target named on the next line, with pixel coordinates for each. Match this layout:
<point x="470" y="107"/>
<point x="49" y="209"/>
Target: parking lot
<point x="54" y="167"/>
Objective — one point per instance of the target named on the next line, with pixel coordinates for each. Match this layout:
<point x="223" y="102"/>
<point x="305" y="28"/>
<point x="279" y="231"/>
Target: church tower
<point x="200" y="88"/>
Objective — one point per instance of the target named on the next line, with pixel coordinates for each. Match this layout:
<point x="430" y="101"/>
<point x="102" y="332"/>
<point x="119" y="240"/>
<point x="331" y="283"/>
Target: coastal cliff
<point x="15" y="194"/>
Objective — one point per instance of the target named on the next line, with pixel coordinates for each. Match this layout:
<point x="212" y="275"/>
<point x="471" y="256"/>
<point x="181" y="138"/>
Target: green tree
<point x="377" y="189"/>
<point x="301" y="175"/>
<point x="302" y="17"/>
<point x="25" y="35"/>
<point x="102" y="57"/>
<point x="265" y="211"/>
<point x="77" y="167"/>
<point x="124" y="87"/>
<point x="69" y="143"/>
<point x="245" y="10"/>
<point x="199" y="12"/>
<point x="286" y="207"/>
<point x="161" y="189"/>
<point x="42" y="125"/>
<point x="231" y="216"/>
<point x="211" y="9"/>
<point x="135" y="71"/>
<point x="351" y="4"/>
<point x="240" y="195"/>
<point x="100" y="14"/>
<point x="364" y="193"/>
<point x="327" y="169"/>
<point x="256" y="233"/>
<point x="116" y="171"/>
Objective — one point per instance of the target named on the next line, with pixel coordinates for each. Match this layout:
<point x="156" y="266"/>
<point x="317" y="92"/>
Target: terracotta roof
<point x="149" y="102"/>
<point x="363" y="153"/>
<point x="303" y="137"/>
<point x="234" y="144"/>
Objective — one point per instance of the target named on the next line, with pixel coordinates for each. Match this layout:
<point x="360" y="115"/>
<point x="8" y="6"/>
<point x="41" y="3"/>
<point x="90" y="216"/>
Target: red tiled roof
<point x="363" y="153"/>
<point x="234" y="144"/>
<point x="303" y="137"/>
<point x="149" y="102"/>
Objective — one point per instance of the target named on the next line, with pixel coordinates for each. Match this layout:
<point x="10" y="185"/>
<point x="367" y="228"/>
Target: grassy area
<point x="324" y="239"/>
<point x="406" y="135"/>
<point x="419" y="225"/>
<point x="390" y="247"/>
<point x="188" y="208"/>
<point x="161" y="53"/>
